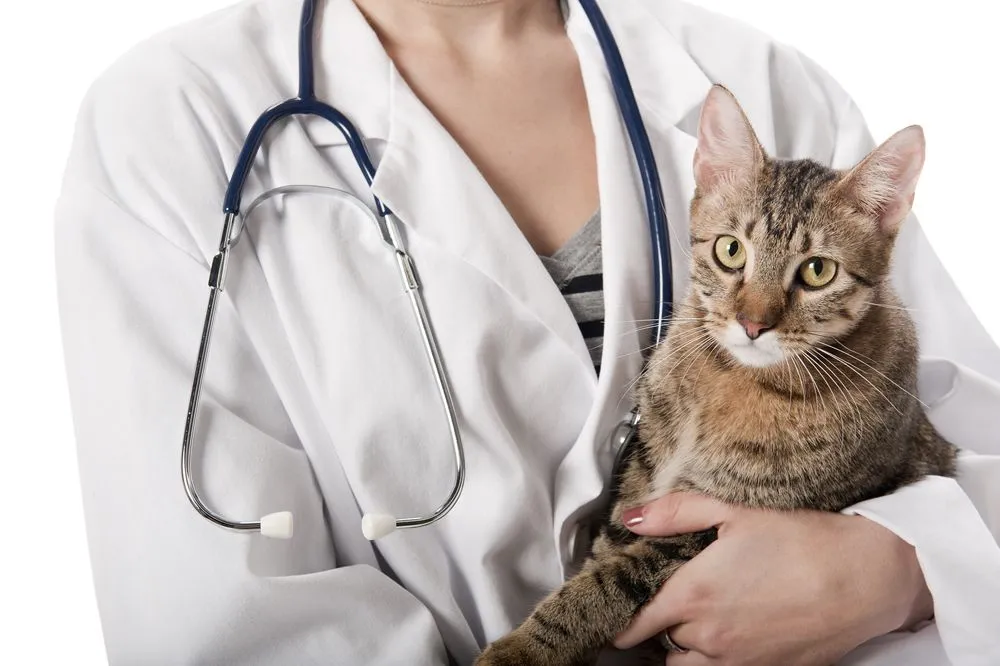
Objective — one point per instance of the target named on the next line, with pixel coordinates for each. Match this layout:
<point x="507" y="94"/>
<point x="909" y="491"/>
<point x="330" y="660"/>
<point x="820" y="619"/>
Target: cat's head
<point x="789" y="253"/>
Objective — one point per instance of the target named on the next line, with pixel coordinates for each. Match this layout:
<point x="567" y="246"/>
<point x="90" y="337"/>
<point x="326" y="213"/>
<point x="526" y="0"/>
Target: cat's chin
<point x="763" y="352"/>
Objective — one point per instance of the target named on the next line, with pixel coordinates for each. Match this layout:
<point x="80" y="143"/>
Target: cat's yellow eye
<point x="730" y="252"/>
<point x="817" y="272"/>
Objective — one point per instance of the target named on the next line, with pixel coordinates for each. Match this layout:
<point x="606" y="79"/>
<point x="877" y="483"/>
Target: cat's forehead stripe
<point x="790" y="194"/>
<point x="806" y="242"/>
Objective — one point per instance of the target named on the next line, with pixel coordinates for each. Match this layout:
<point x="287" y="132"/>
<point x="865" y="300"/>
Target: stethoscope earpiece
<point x="278" y="525"/>
<point x="377" y="525"/>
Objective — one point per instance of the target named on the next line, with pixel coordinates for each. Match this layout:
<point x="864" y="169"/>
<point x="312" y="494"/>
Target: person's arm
<point x="171" y="587"/>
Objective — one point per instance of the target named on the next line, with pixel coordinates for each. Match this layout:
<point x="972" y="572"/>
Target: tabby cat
<point x="787" y="380"/>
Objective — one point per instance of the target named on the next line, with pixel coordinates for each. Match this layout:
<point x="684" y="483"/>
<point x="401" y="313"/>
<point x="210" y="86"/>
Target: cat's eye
<point x="817" y="272"/>
<point x="730" y="253"/>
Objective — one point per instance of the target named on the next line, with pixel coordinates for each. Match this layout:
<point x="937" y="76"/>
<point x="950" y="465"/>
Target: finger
<point x="665" y="610"/>
<point x="677" y="513"/>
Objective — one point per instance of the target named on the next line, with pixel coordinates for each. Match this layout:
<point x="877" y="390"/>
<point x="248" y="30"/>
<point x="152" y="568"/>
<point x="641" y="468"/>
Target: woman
<point x="497" y="140"/>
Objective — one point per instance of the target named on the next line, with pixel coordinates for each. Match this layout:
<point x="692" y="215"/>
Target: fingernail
<point x="633" y="517"/>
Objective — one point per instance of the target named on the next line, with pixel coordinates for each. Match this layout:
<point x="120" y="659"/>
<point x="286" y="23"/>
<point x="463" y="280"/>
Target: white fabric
<point x="318" y="399"/>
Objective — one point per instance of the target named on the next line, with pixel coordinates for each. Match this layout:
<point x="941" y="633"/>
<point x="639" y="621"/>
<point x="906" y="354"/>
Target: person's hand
<point x="798" y="588"/>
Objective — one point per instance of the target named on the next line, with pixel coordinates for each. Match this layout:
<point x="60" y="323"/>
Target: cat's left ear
<point x="883" y="184"/>
<point x="728" y="150"/>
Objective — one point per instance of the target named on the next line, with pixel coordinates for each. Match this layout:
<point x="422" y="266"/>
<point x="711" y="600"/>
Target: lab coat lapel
<point x="433" y="187"/>
<point x="668" y="86"/>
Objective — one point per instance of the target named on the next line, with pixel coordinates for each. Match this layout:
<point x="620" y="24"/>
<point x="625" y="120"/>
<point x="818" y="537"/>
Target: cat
<point x="787" y="380"/>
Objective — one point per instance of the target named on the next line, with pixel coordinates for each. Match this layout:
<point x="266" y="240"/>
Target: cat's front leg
<point x="573" y="624"/>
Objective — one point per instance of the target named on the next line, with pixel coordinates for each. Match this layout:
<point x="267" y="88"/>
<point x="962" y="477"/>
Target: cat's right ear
<point x="728" y="150"/>
<point x="883" y="184"/>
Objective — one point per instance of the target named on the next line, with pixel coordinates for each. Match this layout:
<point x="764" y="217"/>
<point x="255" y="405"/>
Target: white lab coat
<point x="318" y="398"/>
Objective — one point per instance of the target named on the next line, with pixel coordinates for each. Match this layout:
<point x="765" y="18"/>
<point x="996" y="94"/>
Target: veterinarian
<point x="502" y="153"/>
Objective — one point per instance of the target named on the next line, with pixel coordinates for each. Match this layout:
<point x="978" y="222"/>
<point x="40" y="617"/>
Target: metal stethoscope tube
<point x="280" y="524"/>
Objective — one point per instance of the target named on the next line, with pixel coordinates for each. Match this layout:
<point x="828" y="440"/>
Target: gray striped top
<point x="577" y="269"/>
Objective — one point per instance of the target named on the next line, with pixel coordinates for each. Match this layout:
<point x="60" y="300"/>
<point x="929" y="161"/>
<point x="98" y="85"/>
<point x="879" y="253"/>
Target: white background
<point x="904" y="62"/>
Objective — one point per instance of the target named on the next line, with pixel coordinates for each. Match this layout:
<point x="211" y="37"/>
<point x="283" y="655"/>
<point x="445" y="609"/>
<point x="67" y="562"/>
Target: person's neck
<point x="459" y="26"/>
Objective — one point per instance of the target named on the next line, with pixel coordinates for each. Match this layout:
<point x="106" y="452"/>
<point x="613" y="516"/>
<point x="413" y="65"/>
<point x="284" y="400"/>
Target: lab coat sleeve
<point x="953" y="524"/>
<point x="173" y="589"/>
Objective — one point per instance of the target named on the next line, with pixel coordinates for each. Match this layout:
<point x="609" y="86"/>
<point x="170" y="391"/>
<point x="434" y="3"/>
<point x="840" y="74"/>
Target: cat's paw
<point x="512" y="650"/>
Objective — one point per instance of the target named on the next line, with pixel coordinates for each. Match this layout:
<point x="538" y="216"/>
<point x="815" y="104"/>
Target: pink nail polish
<point x="633" y="517"/>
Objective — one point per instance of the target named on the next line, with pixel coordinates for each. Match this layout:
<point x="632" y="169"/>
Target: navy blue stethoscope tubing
<point x="656" y="212"/>
<point x="306" y="104"/>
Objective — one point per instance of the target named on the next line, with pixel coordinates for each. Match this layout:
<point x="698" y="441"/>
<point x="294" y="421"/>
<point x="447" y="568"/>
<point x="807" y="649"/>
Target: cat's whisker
<point x="682" y="335"/>
<point x="660" y="361"/>
<point x="807" y="359"/>
<point x="688" y="345"/>
<point x="709" y="343"/>
<point x="861" y="358"/>
<point x="632" y="331"/>
<point x="676" y="308"/>
<point x="648" y="327"/>
<point x="807" y="356"/>
<point x="641" y="350"/>
<point x="842" y="385"/>
<point x="802" y="383"/>
<point x="822" y="401"/>
<point x="682" y="245"/>
<point x="672" y="318"/>
<point x="686" y="335"/>
<point x="632" y="384"/>
<point x="715" y="354"/>
<point x="788" y="371"/>
<point x="651" y="322"/>
<point x="857" y="421"/>
<point x="863" y="376"/>
<point x="644" y="348"/>
<point x="692" y="353"/>
<point x="890" y="307"/>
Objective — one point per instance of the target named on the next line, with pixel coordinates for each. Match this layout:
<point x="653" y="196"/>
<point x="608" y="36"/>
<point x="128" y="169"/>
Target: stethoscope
<point x="377" y="525"/>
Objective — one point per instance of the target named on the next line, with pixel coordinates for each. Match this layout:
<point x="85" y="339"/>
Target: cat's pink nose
<point x="753" y="329"/>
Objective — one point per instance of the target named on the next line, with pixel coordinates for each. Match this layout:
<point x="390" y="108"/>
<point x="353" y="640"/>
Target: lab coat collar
<point x="669" y="85"/>
<point x="354" y="73"/>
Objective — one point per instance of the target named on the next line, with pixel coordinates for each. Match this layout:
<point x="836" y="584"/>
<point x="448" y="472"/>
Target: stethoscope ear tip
<point x="278" y="525"/>
<point x="377" y="525"/>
